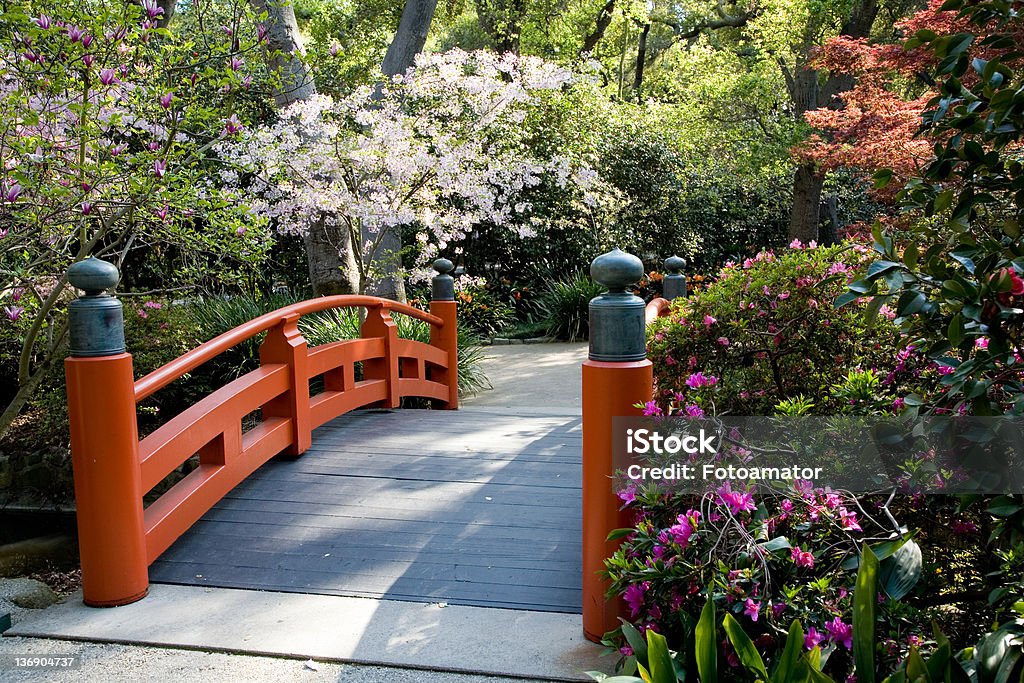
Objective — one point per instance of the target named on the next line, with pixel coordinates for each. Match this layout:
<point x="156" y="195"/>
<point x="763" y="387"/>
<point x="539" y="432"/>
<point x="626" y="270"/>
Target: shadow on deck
<point x="473" y="507"/>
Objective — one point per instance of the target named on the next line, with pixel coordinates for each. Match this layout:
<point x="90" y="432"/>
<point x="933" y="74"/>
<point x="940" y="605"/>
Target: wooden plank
<point x="468" y="508"/>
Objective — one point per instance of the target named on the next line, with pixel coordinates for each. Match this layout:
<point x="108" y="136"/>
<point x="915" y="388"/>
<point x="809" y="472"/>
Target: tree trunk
<point x="332" y="264"/>
<point x="168" y="6"/>
<point x="641" y="60"/>
<point x="828" y="234"/>
<point x="806" y="95"/>
<point x="411" y="36"/>
<point x="604" y="19"/>
<point x="408" y="42"/>
<point x="285" y="52"/>
<point x="807" y="184"/>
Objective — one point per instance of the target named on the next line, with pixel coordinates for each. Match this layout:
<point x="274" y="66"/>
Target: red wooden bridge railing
<point x="114" y="470"/>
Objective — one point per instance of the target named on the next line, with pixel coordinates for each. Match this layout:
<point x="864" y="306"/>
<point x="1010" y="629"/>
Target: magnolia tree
<point x="441" y="148"/>
<point x="106" y="122"/>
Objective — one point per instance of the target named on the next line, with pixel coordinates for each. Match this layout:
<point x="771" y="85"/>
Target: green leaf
<point x="744" y="647"/>
<point x="865" y="602"/>
<point x="882" y="178"/>
<point x="915" y="666"/>
<point x="955" y="331"/>
<point x="938" y="663"/>
<point x="881" y="267"/>
<point x="789" y="669"/>
<point x="616" y="534"/>
<point x="659" y="661"/>
<point x="705" y="643"/>
<point x="901" y="571"/>
<point x="635" y="640"/>
<point x="777" y="543"/>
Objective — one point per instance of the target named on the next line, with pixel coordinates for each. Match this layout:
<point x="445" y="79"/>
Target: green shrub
<point x="565" y="307"/>
<point x="769" y="331"/>
<point x="482" y="312"/>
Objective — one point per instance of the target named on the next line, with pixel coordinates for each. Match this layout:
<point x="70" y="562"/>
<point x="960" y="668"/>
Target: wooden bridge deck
<point x="473" y="507"/>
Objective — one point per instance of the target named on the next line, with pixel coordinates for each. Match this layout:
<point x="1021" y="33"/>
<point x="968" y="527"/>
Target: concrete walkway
<point x="533" y="376"/>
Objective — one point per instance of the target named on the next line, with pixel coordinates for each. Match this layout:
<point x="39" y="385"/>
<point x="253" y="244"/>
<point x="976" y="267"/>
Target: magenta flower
<point x="117" y="150"/>
<point x="11" y="194"/>
<point x="261" y="32"/>
<point x="87" y="208"/>
<point x="162" y="215"/>
<point x="962" y="528"/>
<point x="813" y="638"/>
<point x="737" y="501"/>
<point x="153" y="10"/>
<point x="723" y="341"/>
<point x="651" y="408"/>
<point x="108" y="76"/>
<point x="43" y="22"/>
<point x="86" y="40"/>
<point x="240" y="230"/>
<point x="232" y="125"/>
<point x="13" y="312"/>
<point x="778" y="608"/>
<point x="694" y="411"/>
<point x="628" y="494"/>
<point x="88" y="60"/>
<point x="786" y="505"/>
<point x="166" y="99"/>
<point x="153" y="304"/>
<point x="802" y="558"/>
<point x="709" y="320"/>
<point x="698" y="380"/>
<point x="159" y="168"/>
<point x="840" y="633"/>
<point x="75" y="33"/>
<point x="751" y="609"/>
<point x="634" y="597"/>
<point x="796" y="244"/>
<point x="848" y="519"/>
<point x="236" y="63"/>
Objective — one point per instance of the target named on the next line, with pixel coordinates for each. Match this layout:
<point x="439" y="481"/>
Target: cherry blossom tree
<point x="442" y="148"/>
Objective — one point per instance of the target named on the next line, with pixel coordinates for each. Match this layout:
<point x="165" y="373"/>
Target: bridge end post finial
<point x="446" y="337"/>
<point x="616" y="376"/>
<point x="674" y="282"/>
<point x="104" y="442"/>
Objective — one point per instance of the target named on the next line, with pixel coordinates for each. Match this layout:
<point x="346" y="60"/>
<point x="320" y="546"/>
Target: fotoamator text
<point x="680" y="472"/>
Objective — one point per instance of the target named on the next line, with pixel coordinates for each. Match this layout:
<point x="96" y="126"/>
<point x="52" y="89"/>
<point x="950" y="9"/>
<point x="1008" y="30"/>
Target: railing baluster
<point x="378" y="323"/>
<point x="446" y="338"/>
<point x="104" y="443"/>
<point x="285" y="344"/>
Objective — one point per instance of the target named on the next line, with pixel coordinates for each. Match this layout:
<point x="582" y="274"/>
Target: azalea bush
<point x="766" y="558"/>
<point x="768" y="332"/>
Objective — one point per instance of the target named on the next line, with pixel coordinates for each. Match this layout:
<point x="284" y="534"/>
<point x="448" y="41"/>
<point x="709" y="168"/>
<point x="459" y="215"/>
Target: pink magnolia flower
<point x="166" y="99"/>
<point x="117" y="150"/>
<point x="813" y="638"/>
<point x="159" y="168"/>
<point x="75" y="33"/>
<point x="236" y="63"/>
<point x="153" y="10"/>
<point x="751" y="609"/>
<point x="44" y="22"/>
<point x="86" y="40"/>
<point x="87" y="208"/>
<point x="162" y="215"/>
<point x="261" y="32"/>
<point x="232" y="125"/>
<point x="11" y="194"/>
<point x="840" y="633"/>
<point x="108" y="76"/>
<point x="13" y="312"/>
<point x="88" y="60"/>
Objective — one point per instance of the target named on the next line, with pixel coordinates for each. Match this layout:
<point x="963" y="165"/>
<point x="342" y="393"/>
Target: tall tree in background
<point x="502" y="20"/>
<point x="332" y="265"/>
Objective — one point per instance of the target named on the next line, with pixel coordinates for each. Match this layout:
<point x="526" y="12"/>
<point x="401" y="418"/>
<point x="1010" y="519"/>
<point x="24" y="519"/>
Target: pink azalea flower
<point x="651" y="408"/>
<point x="153" y="304"/>
<point x="981" y="343"/>
<point x="813" y="638"/>
<point x="848" y="519"/>
<point x="723" y="341"/>
<point x="737" y="501"/>
<point x="709" y="320"/>
<point x="962" y="528"/>
<point x="778" y="608"/>
<point x="796" y="244"/>
<point x="694" y="411"/>
<point x="628" y="494"/>
<point x="634" y="597"/>
<point x="802" y="558"/>
<point x="840" y="633"/>
<point x="751" y="609"/>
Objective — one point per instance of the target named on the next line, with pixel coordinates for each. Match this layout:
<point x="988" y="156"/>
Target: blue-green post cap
<point x="617" y="317"/>
<point x="96" y="319"/>
<point x="674" y="282"/>
<point x="442" y="286"/>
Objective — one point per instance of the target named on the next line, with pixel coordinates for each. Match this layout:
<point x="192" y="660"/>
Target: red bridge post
<point x="616" y="376"/>
<point x="104" y="442"/>
<point x="446" y="338"/>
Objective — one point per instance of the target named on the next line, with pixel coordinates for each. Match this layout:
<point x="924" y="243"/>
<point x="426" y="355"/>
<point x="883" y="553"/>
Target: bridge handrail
<point x="656" y="308"/>
<point x="166" y="374"/>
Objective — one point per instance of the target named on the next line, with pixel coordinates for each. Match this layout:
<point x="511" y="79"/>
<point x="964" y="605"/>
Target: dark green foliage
<point x="565" y="307"/>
